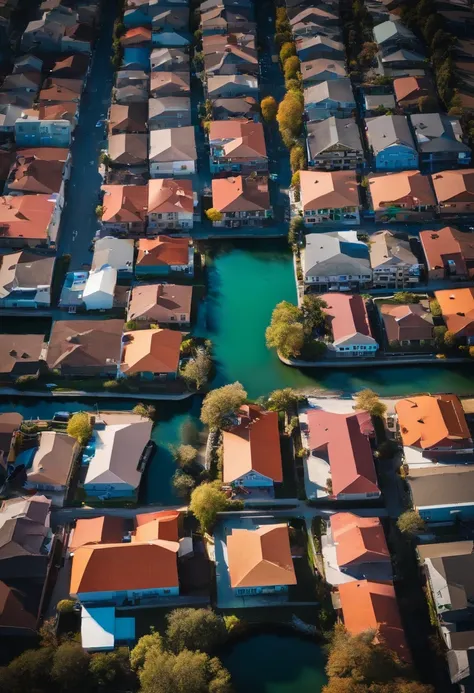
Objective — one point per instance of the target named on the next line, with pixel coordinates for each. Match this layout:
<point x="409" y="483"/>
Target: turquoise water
<point x="273" y="663"/>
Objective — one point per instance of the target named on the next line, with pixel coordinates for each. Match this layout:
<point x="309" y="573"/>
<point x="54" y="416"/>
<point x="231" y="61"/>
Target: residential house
<point x="171" y="38"/>
<point x="378" y="104"/>
<point x="27" y="220"/>
<point x="163" y="256"/>
<point x="315" y="47"/>
<point x="454" y="191"/>
<point x="334" y="144"/>
<point x="415" y="94"/>
<point x="10" y="423"/>
<point x="232" y="60"/>
<point x="81" y="348"/>
<point x="310" y="21"/>
<point x="347" y="318"/>
<point x="169" y="112"/>
<point x="108" y="529"/>
<point x="21" y="354"/>
<point x="343" y="441"/>
<point x="329" y="196"/>
<point x="160" y="304"/>
<point x="164" y="84"/>
<point x="394" y="266"/>
<point x="22" y="82"/>
<point x="52" y="465"/>
<point x="124" y="209"/>
<point x="9" y="114"/>
<point x="169" y="60"/>
<point x="132" y="78"/>
<point x="65" y="110"/>
<point x="115" y="465"/>
<point x="443" y="492"/>
<point x="58" y="90"/>
<point x="439" y="140"/>
<point x="42" y="132"/>
<point x="31" y="174"/>
<point x="449" y="253"/>
<point x="170" y="204"/>
<point x="226" y="20"/>
<point x="151" y="354"/>
<point x="75" y="66"/>
<point x="128" y="150"/>
<point x="170" y="19"/>
<point x="260" y="561"/>
<point x="27" y="63"/>
<point x="252" y="455"/>
<point x="99" y="289"/>
<point x="407" y="324"/>
<point x="232" y="86"/>
<point x="128" y="118"/>
<point x="117" y="253"/>
<point x="241" y="201"/>
<point x="218" y="42"/>
<point x="25" y="280"/>
<point x="172" y="152"/>
<point x="322" y="70"/>
<point x="457" y="309"/>
<point x="138" y="36"/>
<point x="393" y="34"/>
<point x="332" y="98"/>
<point x="368" y="605"/>
<point x="237" y="146"/>
<point x="403" y="196"/>
<point x="131" y="93"/>
<point x="241" y="108"/>
<point x="136" y="58"/>
<point x="391" y="143"/>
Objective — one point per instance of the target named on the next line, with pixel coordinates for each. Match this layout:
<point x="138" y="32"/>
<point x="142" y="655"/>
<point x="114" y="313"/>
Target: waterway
<point x="271" y="663"/>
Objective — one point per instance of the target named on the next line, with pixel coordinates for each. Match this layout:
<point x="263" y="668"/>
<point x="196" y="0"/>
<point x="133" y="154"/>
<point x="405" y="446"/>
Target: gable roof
<point x="152" y="351"/>
<point x="160" y="525"/>
<point x="26" y="216"/>
<point x="260" y="557"/>
<point x="167" y="195"/>
<point x="124" y="204"/>
<point x="162" y="81"/>
<point x="164" y="251"/>
<point x="387" y="131"/>
<point x="313" y="68"/>
<point x="387" y="249"/>
<point x="53" y="459"/>
<point x="253" y="445"/>
<point x="173" y="144"/>
<point x="241" y="138"/>
<point x="446" y="244"/>
<point x="107" y="529"/>
<point x="455" y="186"/>
<point x="17" y="610"/>
<point x="77" y="343"/>
<point x="126" y="148"/>
<point x="339" y="90"/>
<point x="358" y="539"/>
<point x="216" y="82"/>
<point x="348" y="319"/>
<point x="411" y="321"/>
<point x="21" y="353"/>
<point x="159" y="301"/>
<point x="412" y="88"/>
<point x="441" y="485"/>
<point x="130" y="117"/>
<point x="328" y="189"/>
<point x="240" y="194"/>
<point x="408" y="186"/>
<point x="331" y="132"/>
<point x="35" y="176"/>
<point x="436" y="132"/>
<point x="167" y="105"/>
<point x="393" y="29"/>
<point x="457" y="308"/>
<point x="425" y="421"/>
<point x="335" y="253"/>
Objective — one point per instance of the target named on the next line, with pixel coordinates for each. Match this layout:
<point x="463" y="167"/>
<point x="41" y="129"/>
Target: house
<point x="138" y="36"/>
<point x="343" y="440"/>
<point x="378" y="104"/>
<point x="163" y="256"/>
<point x="393" y="34"/>
<point x="241" y="201"/>
<point x="73" y="67"/>
<point x="114" y="469"/>
<point x="170" y="204"/>
<point x="407" y="324"/>
<point x="21" y="354"/>
<point x="52" y="465"/>
<point x="132" y="93"/>
<point x="454" y="191"/>
<point x="303" y="21"/>
<point x="124" y="209"/>
<point x="27" y="63"/>
<point x="150" y="354"/>
<point x="439" y="141"/>
<point x="169" y="60"/>
<point x="128" y="150"/>
<point x="237" y="146"/>
<point x="128" y="119"/>
<point x="132" y="78"/>
<point x="321" y="70"/>
<point x="403" y="196"/>
<point x="391" y="143"/>
<point x="10" y="423"/>
<point x="348" y="321"/>
<point x="27" y="220"/>
<point x="226" y="20"/>
<point x="170" y="18"/>
<point x="449" y="253"/>
<point x="114" y="252"/>
<point x="107" y="529"/>
<point x="329" y="196"/>
<point x="334" y="144"/>
<point x="330" y="98"/>
<point x="99" y="289"/>
<point x="442" y="493"/>
<point x="457" y="309"/>
<point x="354" y="548"/>
<point x="315" y="47"/>
<point x="411" y="93"/>
<point x="218" y="42"/>
<point x="25" y="280"/>
<point x="368" y="605"/>
<point x="171" y="38"/>
<point x="169" y="112"/>
<point x="259" y="560"/>
<point x="59" y="90"/>
<point x="172" y="152"/>
<point x="43" y="132"/>
<point x="240" y="108"/>
<point x="85" y="347"/>
<point x="164" y="84"/>
<point x="22" y="82"/>
<point x="160" y="304"/>
<point x="252" y="455"/>
<point x="232" y="86"/>
<point x="232" y="60"/>
<point x="30" y="174"/>
<point x="9" y="115"/>
<point x="394" y="266"/>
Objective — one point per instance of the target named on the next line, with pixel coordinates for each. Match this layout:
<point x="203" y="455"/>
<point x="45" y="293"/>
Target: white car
<point x="99" y="124"/>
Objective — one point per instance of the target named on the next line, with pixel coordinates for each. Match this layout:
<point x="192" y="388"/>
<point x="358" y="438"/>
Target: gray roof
<point x="387" y="130"/>
<point x="392" y="30"/>
<point x="9" y="114"/>
<point x="173" y="144"/>
<point x="168" y="104"/>
<point x="401" y="55"/>
<point x="335" y="253"/>
<point x="373" y="101"/>
<point x="385" y="248"/>
<point x="333" y="131"/>
<point x="435" y="132"/>
<point x="334" y="89"/>
<point x="461" y="663"/>
<point x="168" y="57"/>
<point x="216" y="82"/>
<point x="243" y="104"/>
<point x="442" y="485"/>
<point x="309" y="41"/>
<point x="313" y="68"/>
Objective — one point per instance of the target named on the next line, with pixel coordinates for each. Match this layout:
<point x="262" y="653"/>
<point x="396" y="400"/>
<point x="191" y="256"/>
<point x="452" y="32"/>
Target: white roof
<point x="101" y="281"/>
<point x="98" y="628"/>
<point x="118" y="449"/>
<point x="115" y="252"/>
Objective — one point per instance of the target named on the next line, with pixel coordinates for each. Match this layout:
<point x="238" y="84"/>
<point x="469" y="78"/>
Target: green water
<point x="273" y="663"/>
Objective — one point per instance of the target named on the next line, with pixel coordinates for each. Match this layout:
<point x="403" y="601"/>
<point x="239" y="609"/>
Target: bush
<point x="131" y="325"/>
<point x="269" y="108"/>
<point x="26" y="381"/>
<point x="297" y="160"/>
<point x="435" y="309"/>
<point x="214" y="214"/>
<point x="288" y="50"/>
<point x="292" y="67"/>
<point x="79" y="427"/>
<point x="147" y="411"/>
<point x="111" y="385"/>
<point x="410" y="523"/>
<point x="65" y="606"/>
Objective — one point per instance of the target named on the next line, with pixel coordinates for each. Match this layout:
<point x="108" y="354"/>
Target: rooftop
<point x="328" y="189"/>
<point x="163" y="251"/>
<point x="167" y="195"/>
<point x="454" y="186"/>
<point x="84" y="343"/>
<point x="240" y="138"/>
<point x="348" y="319"/>
<point x="428" y="420"/>
<point x="457" y="308"/>
<point x="358" y="540"/>
<point x="53" y="459"/>
<point x="407" y="187"/>
<point x="173" y="144"/>
<point x="124" y="204"/>
<point x="158" y="300"/>
<point x="151" y="351"/>
<point x="441" y="485"/>
<point x="240" y="194"/>
<point x="447" y="245"/>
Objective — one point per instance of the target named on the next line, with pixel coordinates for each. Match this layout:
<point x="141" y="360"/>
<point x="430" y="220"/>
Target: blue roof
<point x="26" y="457"/>
<point x="139" y="55"/>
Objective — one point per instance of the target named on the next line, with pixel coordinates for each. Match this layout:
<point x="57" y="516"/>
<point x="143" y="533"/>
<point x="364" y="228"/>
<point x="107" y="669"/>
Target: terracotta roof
<point x="25" y="216"/>
<point x="412" y="88"/>
<point x="411" y="321"/>
<point x="242" y="139"/>
<point x="457" y="307"/>
<point x="20" y="353"/>
<point x="17" y="609"/>
<point x="57" y="89"/>
<point x="328" y="189"/>
<point x="136" y="36"/>
<point x="373" y="605"/>
<point x="347" y="315"/>
<point x="345" y="438"/>
<point x="128" y="118"/>
<point x="260" y="557"/>
<point x="162" y="81"/>
<point x="163" y="250"/>
<point x="124" y="203"/>
<point x="66" y="110"/>
<point x="173" y="144"/>
<point x="84" y="343"/>
<point x="120" y="567"/>
<point x="454" y="186"/>
<point x="358" y="539"/>
<point x="161" y="525"/>
<point x="107" y="529"/>
<point x="426" y="421"/>
<point x="447" y="244"/>
<point x="240" y="194"/>
<point x="159" y="301"/>
<point x="36" y="176"/>
<point x="74" y="65"/>
<point x="151" y="351"/>
<point x="128" y="149"/>
<point x="409" y="187"/>
<point x="253" y="445"/>
<point x="166" y="195"/>
<point x="42" y="153"/>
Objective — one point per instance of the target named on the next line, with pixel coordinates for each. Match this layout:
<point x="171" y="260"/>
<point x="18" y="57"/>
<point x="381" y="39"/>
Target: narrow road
<point x="78" y="222"/>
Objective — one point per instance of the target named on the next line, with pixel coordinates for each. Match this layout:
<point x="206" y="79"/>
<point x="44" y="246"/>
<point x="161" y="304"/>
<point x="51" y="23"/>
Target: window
<point x="183" y="318"/>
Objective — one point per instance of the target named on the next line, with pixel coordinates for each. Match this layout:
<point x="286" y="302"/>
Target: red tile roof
<point x="426" y="421"/>
<point x="447" y="244"/>
<point x="97" y="530"/>
<point x="239" y="194"/>
<point x="163" y="251"/>
<point x="358" y="539"/>
<point x="244" y="139"/>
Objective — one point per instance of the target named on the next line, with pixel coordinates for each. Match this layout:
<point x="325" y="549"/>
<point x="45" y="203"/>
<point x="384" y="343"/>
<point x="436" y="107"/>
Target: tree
<point x="146" y="411"/>
<point x="438" y="333"/>
<point x="196" y="371"/>
<point x="233" y="623"/>
<point x="139" y="652"/>
<point x="70" y="667"/>
<point x="110" y="671"/>
<point x="295" y="183"/>
<point x="31" y="671"/>
<point x="269" y="108"/>
<point x="410" y="523"/>
<point x="297" y="159"/>
<point x="293" y="86"/>
<point x="337" y="685"/>
<point x="450" y="339"/>
<point x="406" y="297"/>
<point x="189" y="629"/>
<point x="183" y="484"/>
<point x="185" y="455"/>
<point x="99" y="211"/>
<point x="286" y="338"/>
<point x="288" y="50"/>
<point x="213" y="214"/>
<point x="206" y="501"/>
<point x="65" y="606"/>
<point x="435" y="309"/>
<point x="79" y="427"/>
<point x="368" y="53"/>
<point x="105" y="159"/>
<point x="427" y="104"/>
<point x="131" y="325"/>
<point x="283" y="400"/>
<point x="292" y="67"/>
<point x="471" y="352"/>
<point x="368" y="400"/>
<point x="186" y="672"/>
<point x="220" y="405"/>
<point x="314" y="316"/>
<point x="290" y="115"/>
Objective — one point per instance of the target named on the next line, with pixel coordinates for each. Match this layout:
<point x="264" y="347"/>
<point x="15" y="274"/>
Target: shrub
<point x="297" y="159"/>
<point x="435" y="308"/>
<point x="410" y="523"/>
<point x="26" y="381"/>
<point x="131" y="325"/>
<point x="79" y="427"/>
<point x="65" y="606"/>
<point x="111" y="384"/>
<point x="288" y="50"/>
<point x="213" y="214"/>
<point x="269" y="108"/>
<point x="292" y="67"/>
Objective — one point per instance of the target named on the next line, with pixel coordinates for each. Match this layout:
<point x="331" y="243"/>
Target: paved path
<point x="361" y="362"/>
<point x="82" y="394"/>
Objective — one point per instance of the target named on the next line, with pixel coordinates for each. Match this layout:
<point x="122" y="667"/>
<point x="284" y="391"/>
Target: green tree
<point x="233" y="623"/>
<point x="296" y="183"/>
<point x="185" y="455"/>
<point x="297" y="159"/>
<point x="99" y="211"/>
<point x="427" y="104"/>
<point x="314" y="317"/>
<point x="186" y="672"/>
<point x="206" y="501"/>
<point x="269" y="108"/>
<point x="105" y="159"/>
<point x="435" y="308"/>
<point x="438" y="333"/>
<point x="200" y="629"/>
<point x="65" y="606"/>
<point x="79" y="427"/>
<point x="196" y="371"/>
<point x="286" y="338"/>
<point x="406" y="297"/>
<point x="141" y="649"/>
<point x="146" y="411"/>
<point x="450" y="339"/>
<point x="131" y="325"/>
<point x="70" y="669"/>
<point x="110" y="671"/>
<point x="288" y="50"/>
<point x="368" y="400"/>
<point x="30" y="671"/>
<point x="214" y="214"/>
<point x="220" y="405"/>
<point x="283" y="400"/>
<point x="183" y="484"/>
<point x="290" y="115"/>
<point x="410" y="522"/>
<point x="292" y="67"/>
